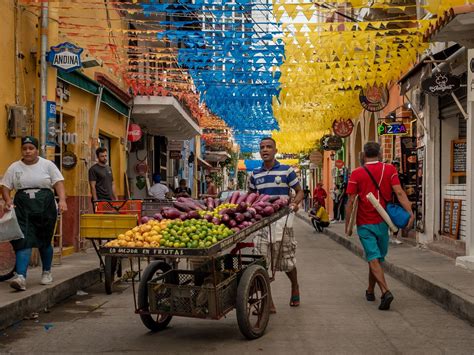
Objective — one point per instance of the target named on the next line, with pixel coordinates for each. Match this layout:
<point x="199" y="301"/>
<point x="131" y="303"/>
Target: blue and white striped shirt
<point x="275" y="182"/>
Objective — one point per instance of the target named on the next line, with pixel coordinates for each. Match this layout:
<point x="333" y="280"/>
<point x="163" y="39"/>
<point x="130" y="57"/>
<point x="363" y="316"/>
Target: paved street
<point x="334" y="318"/>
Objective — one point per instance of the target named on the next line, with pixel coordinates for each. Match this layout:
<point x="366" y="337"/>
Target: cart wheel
<point x="253" y="302"/>
<point x="162" y="320"/>
<point x="109" y="272"/>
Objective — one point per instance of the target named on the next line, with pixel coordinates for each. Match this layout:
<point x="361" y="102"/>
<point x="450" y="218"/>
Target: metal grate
<point x="192" y="293"/>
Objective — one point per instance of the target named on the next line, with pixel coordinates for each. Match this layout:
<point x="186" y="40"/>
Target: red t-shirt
<point x="360" y="183"/>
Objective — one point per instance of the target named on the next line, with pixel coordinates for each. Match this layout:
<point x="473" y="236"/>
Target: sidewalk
<point x="76" y="272"/>
<point x="431" y="274"/>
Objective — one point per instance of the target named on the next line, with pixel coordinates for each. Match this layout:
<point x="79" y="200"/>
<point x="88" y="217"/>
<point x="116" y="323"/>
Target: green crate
<point x="106" y="226"/>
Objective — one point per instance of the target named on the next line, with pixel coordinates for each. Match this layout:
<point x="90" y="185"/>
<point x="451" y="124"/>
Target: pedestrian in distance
<point x="33" y="179"/>
<point x="371" y="228"/>
<point x="320" y="216"/>
<point x="275" y="179"/>
<point x="211" y="190"/>
<point x="182" y="190"/>
<point x="320" y="195"/>
<point x="101" y="179"/>
<point x="158" y="190"/>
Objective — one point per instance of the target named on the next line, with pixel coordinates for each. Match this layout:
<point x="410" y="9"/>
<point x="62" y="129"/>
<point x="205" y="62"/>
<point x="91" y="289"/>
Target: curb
<point x="448" y="298"/>
<point x="16" y="311"/>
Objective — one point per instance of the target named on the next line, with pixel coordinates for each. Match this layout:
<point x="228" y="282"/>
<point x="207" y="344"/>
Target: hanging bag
<point x="399" y="216"/>
<point x="9" y="227"/>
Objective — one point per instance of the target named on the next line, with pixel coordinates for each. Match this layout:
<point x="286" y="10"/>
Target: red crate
<point x="119" y="207"/>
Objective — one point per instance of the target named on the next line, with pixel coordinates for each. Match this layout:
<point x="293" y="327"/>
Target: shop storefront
<point x="169" y="145"/>
<point x="91" y="115"/>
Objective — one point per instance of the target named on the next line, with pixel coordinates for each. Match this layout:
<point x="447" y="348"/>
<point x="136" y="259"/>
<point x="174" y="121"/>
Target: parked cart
<point x="221" y="283"/>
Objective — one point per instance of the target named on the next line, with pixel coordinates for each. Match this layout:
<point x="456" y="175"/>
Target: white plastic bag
<point x="278" y="226"/>
<point x="9" y="227"/>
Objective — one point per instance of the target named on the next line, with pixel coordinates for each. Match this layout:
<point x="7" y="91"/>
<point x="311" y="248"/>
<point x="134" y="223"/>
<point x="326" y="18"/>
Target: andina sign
<point x="65" y="56"/>
<point x="440" y="84"/>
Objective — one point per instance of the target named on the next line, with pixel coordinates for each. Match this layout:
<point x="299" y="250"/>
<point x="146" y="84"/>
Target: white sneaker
<point x="46" y="278"/>
<point x="18" y="283"/>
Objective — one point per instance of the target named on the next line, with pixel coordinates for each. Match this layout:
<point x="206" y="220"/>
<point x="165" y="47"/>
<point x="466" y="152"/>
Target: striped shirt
<point x="275" y="182"/>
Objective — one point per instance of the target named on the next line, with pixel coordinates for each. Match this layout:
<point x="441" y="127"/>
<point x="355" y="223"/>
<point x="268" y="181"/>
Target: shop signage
<point x="343" y="128"/>
<point x="50" y="123"/>
<point x="458" y="157"/>
<point x="175" y="154"/>
<point x="134" y="132"/>
<point x="316" y="157"/>
<point x="440" y="84"/>
<point x="339" y="164"/>
<point x="329" y="142"/>
<point x="374" y="99"/>
<point x="65" y="56"/>
<point x="391" y="129"/>
<point x="176" y="145"/>
<point x="69" y="160"/>
<point x="62" y="90"/>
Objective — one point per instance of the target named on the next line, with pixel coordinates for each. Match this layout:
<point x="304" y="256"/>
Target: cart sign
<point x="134" y="133"/>
<point x="441" y="84"/>
<point x="65" y="56"/>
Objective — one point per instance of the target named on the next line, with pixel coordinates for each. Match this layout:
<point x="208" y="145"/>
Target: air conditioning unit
<point x="18" y="124"/>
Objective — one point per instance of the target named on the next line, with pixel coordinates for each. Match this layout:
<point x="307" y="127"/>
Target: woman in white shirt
<point x="33" y="179"/>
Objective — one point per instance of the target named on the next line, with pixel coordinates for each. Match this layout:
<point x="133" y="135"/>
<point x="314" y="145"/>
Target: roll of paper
<point x="353" y="217"/>
<point x="370" y="196"/>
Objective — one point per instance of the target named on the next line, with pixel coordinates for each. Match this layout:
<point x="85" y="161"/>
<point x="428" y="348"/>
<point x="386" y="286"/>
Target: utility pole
<point x="43" y="76"/>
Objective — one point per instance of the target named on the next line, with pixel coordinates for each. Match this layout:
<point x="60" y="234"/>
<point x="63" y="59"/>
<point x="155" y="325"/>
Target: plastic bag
<point x="9" y="227"/>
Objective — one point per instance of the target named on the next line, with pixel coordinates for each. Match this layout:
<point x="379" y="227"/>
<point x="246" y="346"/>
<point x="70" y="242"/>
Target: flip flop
<point x="295" y="301"/>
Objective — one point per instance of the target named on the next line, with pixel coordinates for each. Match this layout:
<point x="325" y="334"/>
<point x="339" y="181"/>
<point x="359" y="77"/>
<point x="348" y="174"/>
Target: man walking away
<point x="319" y="194"/>
<point x="371" y="228"/>
<point x="276" y="179"/>
<point x="101" y="180"/>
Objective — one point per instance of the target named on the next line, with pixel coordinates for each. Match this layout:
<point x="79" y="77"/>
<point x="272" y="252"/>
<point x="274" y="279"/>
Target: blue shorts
<point x="374" y="239"/>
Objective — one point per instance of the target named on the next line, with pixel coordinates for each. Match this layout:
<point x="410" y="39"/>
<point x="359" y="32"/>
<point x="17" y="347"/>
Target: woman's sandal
<point x="295" y="301"/>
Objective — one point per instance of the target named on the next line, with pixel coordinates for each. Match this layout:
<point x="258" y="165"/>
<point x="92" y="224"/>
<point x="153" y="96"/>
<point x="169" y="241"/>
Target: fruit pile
<point x="215" y="212"/>
<point x="239" y="211"/>
<point x="193" y="233"/>
<point x="148" y="235"/>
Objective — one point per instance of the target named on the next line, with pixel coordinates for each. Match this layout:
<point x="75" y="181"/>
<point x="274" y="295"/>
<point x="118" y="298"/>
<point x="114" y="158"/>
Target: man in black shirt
<point x="182" y="190"/>
<point x="101" y="179"/>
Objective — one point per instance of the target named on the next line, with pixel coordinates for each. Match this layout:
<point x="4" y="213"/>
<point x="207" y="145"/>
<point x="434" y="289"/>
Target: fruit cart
<point x="111" y="218"/>
<point x="222" y="282"/>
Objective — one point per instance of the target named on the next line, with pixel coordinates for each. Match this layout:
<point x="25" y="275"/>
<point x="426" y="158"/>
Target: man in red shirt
<point x="319" y="195"/>
<point x="371" y="228"/>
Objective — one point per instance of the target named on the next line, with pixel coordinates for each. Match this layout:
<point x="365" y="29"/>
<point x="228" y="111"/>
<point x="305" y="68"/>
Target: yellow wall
<point x="26" y="37"/>
<point x="79" y="116"/>
<point x="79" y="111"/>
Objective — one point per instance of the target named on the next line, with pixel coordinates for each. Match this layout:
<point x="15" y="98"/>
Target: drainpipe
<point x="94" y="135"/>
<point x="17" y="31"/>
<point x="44" y="76"/>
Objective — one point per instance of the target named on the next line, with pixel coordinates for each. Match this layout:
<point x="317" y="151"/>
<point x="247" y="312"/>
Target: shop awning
<point x="204" y="163"/>
<point x="164" y="116"/>
<point x="456" y="25"/>
<point x="83" y="82"/>
<point x="218" y="156"/>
